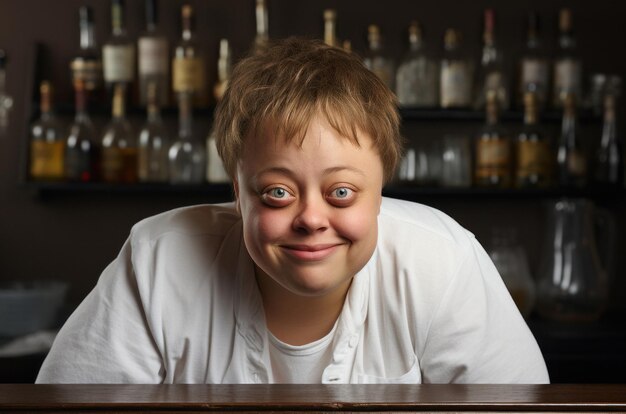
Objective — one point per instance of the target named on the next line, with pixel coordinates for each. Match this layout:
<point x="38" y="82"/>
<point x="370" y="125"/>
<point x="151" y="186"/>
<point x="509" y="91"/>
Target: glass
<point x="533" y="155"/>
<point x="215" y="167"/>
<point x="82" y="154"/>
<point x="455" y="78"/>
<point x="6" y="101"/>
<point x="154" y="143"/>
<point x="491" y="73"/>
<point x="511" y="260"/>
<point x="188" y="66"/>
<point x="493" y="149"/>
<point x="46" y="140"/>
<point x="417" y="79"/>
<point x="376" y="59"/>
<point x="86" y="67"/>
<point x="119" y="145"/>
<point x="153" y="65"/>
<point x="118" y="54"/>
<point x="571" y="159"/>
<point x="456" y="161"/>
<point x="224" y="68"/>
<point x="567" y="65"/>
<point x="187" y="155"/>
<point x="533" y="68"/>
<point x="609" y="160"/>
<point x="577" y="259"/>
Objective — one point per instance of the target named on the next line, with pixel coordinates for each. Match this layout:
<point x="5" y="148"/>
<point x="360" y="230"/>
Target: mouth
<point x="308" y="252"/>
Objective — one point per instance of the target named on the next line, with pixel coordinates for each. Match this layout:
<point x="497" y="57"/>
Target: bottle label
<point x="534" y="72"/>
<point x="455" y="84"/>
<point x="119" y="63"/>
<point x="153" y="56"/>
<point x="493" y="157"/>
<point x="533" y="159"/>
<point x="88" y="71"/>
<point x="47" y="159"/>
<point x="188" y="75"/>
<point x="567" y="78"/>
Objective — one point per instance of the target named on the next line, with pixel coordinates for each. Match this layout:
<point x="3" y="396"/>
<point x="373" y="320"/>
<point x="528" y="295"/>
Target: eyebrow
<point x="327" y="171"/>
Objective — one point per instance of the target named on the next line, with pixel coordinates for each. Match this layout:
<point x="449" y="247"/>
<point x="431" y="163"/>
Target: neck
<point x="296" y="319"/>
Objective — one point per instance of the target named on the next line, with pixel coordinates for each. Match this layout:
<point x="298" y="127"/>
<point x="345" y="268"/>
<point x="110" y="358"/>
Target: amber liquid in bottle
<point x="47" y="145"/>
<point x="493" y="150"/>
<point x="532" y="149"/>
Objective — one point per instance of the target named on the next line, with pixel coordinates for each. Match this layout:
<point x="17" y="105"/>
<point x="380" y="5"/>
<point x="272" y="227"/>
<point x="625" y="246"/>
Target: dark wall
<point x="74" y="236"/>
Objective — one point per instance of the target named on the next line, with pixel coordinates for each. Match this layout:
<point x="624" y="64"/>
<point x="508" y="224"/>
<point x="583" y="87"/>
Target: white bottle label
<point x="455" y="85"/>
<point x="153" y="56"/>
<point x="568" y="76"/>
<point x="119" y="63"/>
<point x="535" y="71"/>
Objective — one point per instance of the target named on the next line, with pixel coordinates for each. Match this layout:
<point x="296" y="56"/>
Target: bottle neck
<point x="329" y="33"/>
<point x="151" y="15"/>
<point x="609" y="129"/>
<point x="530" y="116"/>
<point x="185" y="117"/>
<point x="87" y="36"/>
<point x="568" y="129"/>
<point x="118" y="110"/>
<point x="81" y="103"/>
<point x="261" y="21"/>
<point x="117" y="20"/>
<point x="567" y="41"/>
<point x="187" y="33"/>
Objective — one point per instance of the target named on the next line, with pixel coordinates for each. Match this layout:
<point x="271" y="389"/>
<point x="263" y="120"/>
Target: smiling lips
<point x="307" y="252"/>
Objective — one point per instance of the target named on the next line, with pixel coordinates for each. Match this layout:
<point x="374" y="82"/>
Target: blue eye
<point x="278" y="192"/>
<point x="342" y="192"/>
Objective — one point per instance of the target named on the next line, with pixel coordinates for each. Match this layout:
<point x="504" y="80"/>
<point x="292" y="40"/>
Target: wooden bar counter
<point x="311" y="398"/>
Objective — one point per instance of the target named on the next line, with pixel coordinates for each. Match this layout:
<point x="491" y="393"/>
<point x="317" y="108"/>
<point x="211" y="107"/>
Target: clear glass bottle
<point x="154" y="142"/>
<point x="224" y="68"/>
<point x="533" y="66"/>
<point x="46" y="140"/>
<point x="417" y="79"/>
<point x="118" y="54"/>
<point x="262" y="27"/>
<point x="154" y="59"/>
<point x="330" y="28"/>
<point x="456" y="73"/>
<point x="609" y="160"/>
<point x="533" y="153"/>
<point x="568" y="71"/>
<point x="493" y="150"/>
<point x="86" y="67"/>
<point x="6" y="101"/>
<point x="376" y="60"/>
<point x="511" y="260"/>
<point x="119" y="144"/>
<point x="492" y="75"/>
<point x="188" y="66"/>
<point x="187" y="154"/>
<point x="571" y="159"/>
<point x="216" y="173"/>
<point x="82" y="152"/>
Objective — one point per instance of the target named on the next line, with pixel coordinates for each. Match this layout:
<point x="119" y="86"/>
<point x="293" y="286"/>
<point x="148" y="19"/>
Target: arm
<point x="107" y="339"/>
<point x="477" y="334"/>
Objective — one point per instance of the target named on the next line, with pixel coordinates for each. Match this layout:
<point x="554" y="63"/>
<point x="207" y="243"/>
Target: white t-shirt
<point x="180" y="304"/>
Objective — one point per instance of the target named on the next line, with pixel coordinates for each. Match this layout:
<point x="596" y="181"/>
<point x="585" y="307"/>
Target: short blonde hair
<point x="295" y="79"/>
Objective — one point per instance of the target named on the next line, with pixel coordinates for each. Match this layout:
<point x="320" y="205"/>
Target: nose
<point x="311" y="217"/>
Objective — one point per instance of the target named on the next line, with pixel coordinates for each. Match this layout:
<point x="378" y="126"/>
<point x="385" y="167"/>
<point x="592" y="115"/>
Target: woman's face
<point x="309" y="212"/>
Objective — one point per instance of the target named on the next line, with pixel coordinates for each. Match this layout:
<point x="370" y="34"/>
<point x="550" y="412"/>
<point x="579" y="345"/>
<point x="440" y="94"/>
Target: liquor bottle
<point x="215" y="172"/>
<point x="224" y="68"/>
<point x="567" y="65"/>
<point x="119" y="144"/>
<point x="376" y="60"/>
<point x="6" y="101"/>
<point x="188" y="67"/>
<point x="118" y="53"/>
<point x="609" y="168"/>
<point x="493" y="149"/>
<point x="46" y="141"/>
<point x="570" y="158"/>
<point x="533" y="155"/>
<point x="330" y="28"/>
<point x="154" y="142"/>
<point x="417" y="79"/>
<point x="533" y="68"/>
<point x="86" y="67"/>
<point x="154" y="59"/>
<point x="262" y="27"/>
<point x="82" y="152"/>
<point x="456" y="74"/>
<point x="187" y="154"/>
<point x="491" y="73"/>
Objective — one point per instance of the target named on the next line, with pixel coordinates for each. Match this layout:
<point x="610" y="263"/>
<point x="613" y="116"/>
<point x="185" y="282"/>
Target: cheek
<point x="269" y="225"/>
<point x="358" y="225"/>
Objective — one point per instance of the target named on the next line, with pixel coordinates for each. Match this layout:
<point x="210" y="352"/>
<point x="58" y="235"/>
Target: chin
<point x="314" y="284"/>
